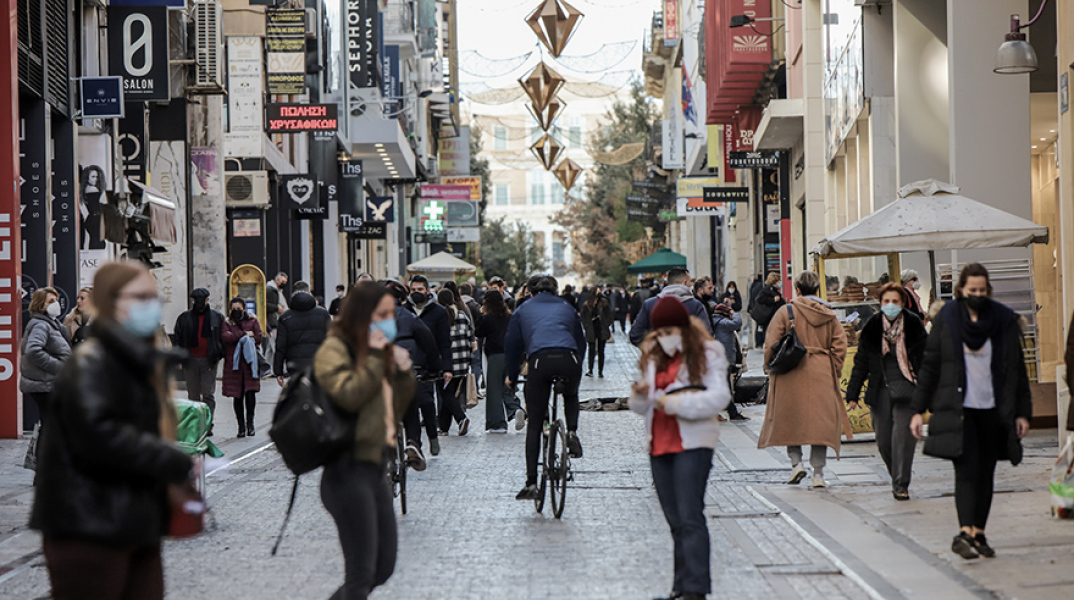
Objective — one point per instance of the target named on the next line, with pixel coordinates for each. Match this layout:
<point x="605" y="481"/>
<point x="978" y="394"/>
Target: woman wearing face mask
<point x="100" y="502"/>
<point x="241" y="382"/>
<point x="596" y="323"/>
<point x="45" y="346"/>
<point x="363" y="373"/>
<point x="973" y="379"/>
<point x="462" y="342"/>
<point x="77" y="321"/>
<point x="911" y="283"/>
<point x="889" y="357"/>
<point x="683" y="427"/>
<point x="732" y="297"/>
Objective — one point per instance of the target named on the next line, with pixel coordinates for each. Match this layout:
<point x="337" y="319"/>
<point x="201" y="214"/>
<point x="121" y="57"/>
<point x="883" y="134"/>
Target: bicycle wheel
<point x="543" y="485"/>
<point x="402" y="462"/>
<point x="560" y="467"/>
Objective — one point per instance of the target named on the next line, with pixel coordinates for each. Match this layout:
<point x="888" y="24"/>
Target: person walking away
<point x="477" y="367"/>
<point x="683" y="428"/>
<point x="548" y="332"/>
<point x="364" y="374"/>
<point x="622" y="309"/>
<point x="275" y="305"/>
<point x="678" y="286"/>
<point x="453" y="395"/>
<point x="78" y="320"/>
<point x="299" y="333"/>
<point x="596" y="322"/>
<point x="973" y="380"/>
<point x="726" y="323"/>
<point x="501" y="403"/>
<point x="241" y="381"/>
<point x="732" y="297"/>
<point x="805" y="405"/>
<point x="104" y="476"/>
<point x="890" y="350"/>
<point x="769" y="300"/>
<point x="199" y="331"/>
<point x="640" y="295"/>
<point x="45" y="347"/>
<point x="333" y="307"/>
<point x="755" y="289"/>
<point x="911" y="283"/>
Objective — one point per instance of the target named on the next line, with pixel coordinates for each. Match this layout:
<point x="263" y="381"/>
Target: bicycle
<point x="397" y="466"/>
<point x="555" y="457"/>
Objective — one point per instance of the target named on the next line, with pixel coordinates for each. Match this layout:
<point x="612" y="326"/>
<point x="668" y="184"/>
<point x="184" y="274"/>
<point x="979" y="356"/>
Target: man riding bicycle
<point x="547" y="330"/>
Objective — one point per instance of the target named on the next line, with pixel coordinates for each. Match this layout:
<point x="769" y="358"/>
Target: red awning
<point x="736" y="59"/>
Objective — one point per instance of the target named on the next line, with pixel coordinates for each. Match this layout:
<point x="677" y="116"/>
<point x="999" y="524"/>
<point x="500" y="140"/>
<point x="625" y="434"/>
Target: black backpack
<point x="81" y="333"/>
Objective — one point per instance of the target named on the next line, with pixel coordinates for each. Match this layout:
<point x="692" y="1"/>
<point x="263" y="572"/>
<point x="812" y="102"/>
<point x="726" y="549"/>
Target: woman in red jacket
<point x="241" y="383"/>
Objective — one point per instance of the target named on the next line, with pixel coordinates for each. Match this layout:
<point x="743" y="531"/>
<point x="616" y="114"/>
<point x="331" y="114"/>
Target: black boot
<point x="250" y="424"/>
<point x="242" y="429"/>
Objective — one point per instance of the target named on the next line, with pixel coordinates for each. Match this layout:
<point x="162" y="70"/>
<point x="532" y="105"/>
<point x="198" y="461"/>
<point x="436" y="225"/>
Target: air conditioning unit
<point x="208" y="44"/>
<point x="246" y="188"/>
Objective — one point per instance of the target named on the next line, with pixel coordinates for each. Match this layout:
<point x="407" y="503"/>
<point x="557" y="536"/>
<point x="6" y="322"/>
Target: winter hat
<point x="669" y="311"/>
<point x="723" y="309"/>
<point x="199" y="293"/>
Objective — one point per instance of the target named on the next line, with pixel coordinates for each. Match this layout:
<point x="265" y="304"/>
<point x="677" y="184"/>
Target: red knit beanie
<point x="669" y="311"/>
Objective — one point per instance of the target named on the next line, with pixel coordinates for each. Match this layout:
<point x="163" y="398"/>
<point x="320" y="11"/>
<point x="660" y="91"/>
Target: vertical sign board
<point x="324" y="167"/>
<point x="671" y="23"/>
<point x="351" y="195"/>
<point x="674" y="153"/>
<point x="285" y="39"/>
<point x="454" y="153"/>
<point x="392" y="86"/>
<point x="36" y="241"/>
<point x="362" y="42"/>
<point x="770" y="200"/>
<point x="64" y="212"/>
<point x="138" y="50"/>
<point x="10" y="262"/>
<point x="244" y="99"/>
<point x="132" y="150"/>
<point x="168" y="169"/>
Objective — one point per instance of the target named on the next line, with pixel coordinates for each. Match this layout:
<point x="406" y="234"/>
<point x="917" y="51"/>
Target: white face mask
<point x="670" y="344"/>
<point x="53" y="310"/>
<point x="917" y="285"/>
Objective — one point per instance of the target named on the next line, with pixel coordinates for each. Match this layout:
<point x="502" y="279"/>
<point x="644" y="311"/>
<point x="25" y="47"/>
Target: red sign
<point x="10" y="248"/>
<point x="445" y="192"/>
<point x="736" y="58"/>
<point x="746" y="122"/>
<point x="295" y="118"/>
<point x="671" y="20"/>
<point x="728" y="147"/>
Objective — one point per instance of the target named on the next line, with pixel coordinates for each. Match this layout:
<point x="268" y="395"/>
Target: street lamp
<point x="1015" y="54"/>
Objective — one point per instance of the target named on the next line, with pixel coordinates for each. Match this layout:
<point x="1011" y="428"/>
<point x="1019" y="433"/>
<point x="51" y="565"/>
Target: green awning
<point x="658" y="262"/>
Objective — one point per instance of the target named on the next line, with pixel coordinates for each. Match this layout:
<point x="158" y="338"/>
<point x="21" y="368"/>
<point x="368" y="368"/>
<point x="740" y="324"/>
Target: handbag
<point x="471" y="391"/>
<point x="899" y="388"/>
<point x="788" y="351"/>
<point x="187" y="517"/>
<point x="308" y="429"/>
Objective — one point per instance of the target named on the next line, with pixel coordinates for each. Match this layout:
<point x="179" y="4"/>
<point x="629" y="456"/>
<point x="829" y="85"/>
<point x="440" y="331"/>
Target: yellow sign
<point x="474" y="183"/>
<point x="715" y="146"/>
<point x="693" y="187"/>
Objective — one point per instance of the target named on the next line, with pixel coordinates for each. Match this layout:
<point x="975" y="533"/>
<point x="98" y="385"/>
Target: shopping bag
<point x="1062" y="484"/>
<point x="471" y="391"/>
<point x="30" y="462"/>
<point x="861" y="419"/>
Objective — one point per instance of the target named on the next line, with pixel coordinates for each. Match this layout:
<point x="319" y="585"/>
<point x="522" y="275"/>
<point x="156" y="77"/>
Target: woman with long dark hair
<point x="363" y="373"/>
<point x="973" y="379"/>
<point x="732" y="297"/>
<point x="597" y="323"/>
<point x="241" y="381"/>
<point x="681" y="391"/>
<point x="501" y="403"/>
<point x="101" y="496"/>
<point x="462" y="347"/>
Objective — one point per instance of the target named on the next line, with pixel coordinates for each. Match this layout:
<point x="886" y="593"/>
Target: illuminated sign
<point x="434" y="212"/>
<point x="295" y="118"/>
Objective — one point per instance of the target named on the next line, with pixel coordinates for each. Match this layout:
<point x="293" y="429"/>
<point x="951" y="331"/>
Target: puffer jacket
<point x="299" y="333"/>
<point x="45" y="346"/>
<point x="725" y="329"/>
<point x="102" y="465"/>
<point x="359" y="390"/>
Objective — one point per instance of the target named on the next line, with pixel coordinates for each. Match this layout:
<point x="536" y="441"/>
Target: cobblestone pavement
<point x="466" y="537"/>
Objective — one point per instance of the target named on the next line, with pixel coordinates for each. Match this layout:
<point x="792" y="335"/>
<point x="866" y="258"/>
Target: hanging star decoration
<point x="567" y="172"/>
<point x="546" y="150"/>
<point x="541" y="85"/>
<point x="554" y="21"/>
<point x="547" y="116"/>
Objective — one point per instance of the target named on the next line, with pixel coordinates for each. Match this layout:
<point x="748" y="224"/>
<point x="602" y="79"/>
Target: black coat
<point x="436" y="319"/>
<point x="732" y="299"/>
<point x="414" y="336"/>
<point x="941" y="385"/>
<point x="766" y="305"/>
<point x="102" y="467"/>
<point x="187" y="333"/>
<point x="300" y="332"/>
<point x="869" y="361"/>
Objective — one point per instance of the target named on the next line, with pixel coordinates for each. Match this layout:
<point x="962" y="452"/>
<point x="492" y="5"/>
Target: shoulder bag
<point x="788" y="351"/>
<point x="308" y="429"/>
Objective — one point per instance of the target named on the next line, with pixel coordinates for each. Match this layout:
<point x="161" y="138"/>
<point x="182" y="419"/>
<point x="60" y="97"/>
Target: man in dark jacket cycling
<point x="547" y="330"/>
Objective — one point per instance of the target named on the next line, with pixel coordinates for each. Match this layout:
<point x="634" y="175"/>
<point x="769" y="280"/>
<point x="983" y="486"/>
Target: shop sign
<point x="351" y="196"/>
<point x="101" y="97"/>
<point x="392" y="86"/>
<point x="667" y="215"/>
<point x="671" y="23"/>
<point x="34" y="192"/>
<point x="726" y="194"/>
<point x="430" y="238"/>
<point x="1064" y="93"/>
<point x="729" y="174"/>
<point x="138" y="50"/>
<point x="295" y="118"/>
<point x="636" y="199"/>
<point x="640" y="215"/>
<point x="370" y="231"/>
<point x="133" y="152"/>
<point x="694" y="187"/>
<point x="761" y="159"/>
<point x="246" y="89"/>
<point x="674" y="154"/>
<point x="285" y="41"/>
<point x="463" y="234"/>
<point x="302" y="195"/>
<point x="362" y="42"/>
<point x="698" y="207"/>
<point x="474" y="183"/>
<point x="432" y="216"/>
<point x="454" y="153"/>
<point x="651" y="185"/>
<point x="462" y="213"/>
<point x="380" y="209"/>
<point x="445" y="192"/>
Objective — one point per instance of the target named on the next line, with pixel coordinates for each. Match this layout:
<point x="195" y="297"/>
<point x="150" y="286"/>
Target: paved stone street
<point x="466" y="537"/>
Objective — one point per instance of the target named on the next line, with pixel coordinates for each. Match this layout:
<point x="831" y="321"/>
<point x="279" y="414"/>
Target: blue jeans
<point x="680" y="480"/>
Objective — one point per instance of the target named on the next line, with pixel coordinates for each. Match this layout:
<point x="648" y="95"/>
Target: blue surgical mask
<point x="891" y="311"/>
<point x="143" y="318"/>
<point x="387" y="327"/>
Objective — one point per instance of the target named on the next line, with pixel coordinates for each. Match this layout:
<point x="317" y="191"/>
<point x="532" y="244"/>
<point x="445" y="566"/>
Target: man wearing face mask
<point x="333" y="308"/>
<point x="198" y="332"/>
<point x="912" y="283"/>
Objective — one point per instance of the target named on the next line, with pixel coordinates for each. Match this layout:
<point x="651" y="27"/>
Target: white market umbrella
<point x="439" y="264"/>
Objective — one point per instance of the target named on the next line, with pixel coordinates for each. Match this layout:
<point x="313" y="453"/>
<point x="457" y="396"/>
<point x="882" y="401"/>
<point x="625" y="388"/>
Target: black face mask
<point x="200" y="304"/>
<point x="977" y="303"/>
<point x="706" y="297"/>
<point x="236" y="315"/>
<point x="418" y="298"/>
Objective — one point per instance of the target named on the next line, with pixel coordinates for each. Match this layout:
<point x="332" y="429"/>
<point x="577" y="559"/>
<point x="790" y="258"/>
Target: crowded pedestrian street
<point x="464" y="535"/>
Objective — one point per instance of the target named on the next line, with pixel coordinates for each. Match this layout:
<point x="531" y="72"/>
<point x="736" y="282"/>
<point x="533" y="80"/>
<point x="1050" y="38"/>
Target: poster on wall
<point x="168" y="171"/>
<point x="205" y="175"/>
<point x="95" y="154"/>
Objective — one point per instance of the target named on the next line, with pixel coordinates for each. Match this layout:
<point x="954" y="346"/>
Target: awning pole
<point x="935" y="293"/>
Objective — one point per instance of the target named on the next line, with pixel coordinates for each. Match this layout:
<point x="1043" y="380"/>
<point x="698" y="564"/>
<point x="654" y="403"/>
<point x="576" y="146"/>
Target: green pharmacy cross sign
<point x="435" y="211"/>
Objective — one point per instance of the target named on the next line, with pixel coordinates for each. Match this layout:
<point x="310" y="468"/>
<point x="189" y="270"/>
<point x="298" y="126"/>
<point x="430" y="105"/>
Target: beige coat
<point x="805" y="406"/>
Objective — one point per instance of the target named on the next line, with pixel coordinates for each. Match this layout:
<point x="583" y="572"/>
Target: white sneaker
<point x="798" y="473"/>
<point x="818" y="481"/>
<point x="520" y="420"/>
<point x="500" y="430"/>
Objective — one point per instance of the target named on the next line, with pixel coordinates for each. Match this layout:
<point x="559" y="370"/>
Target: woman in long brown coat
<point x="240" y="383"/>
<point x="805" y="405"/>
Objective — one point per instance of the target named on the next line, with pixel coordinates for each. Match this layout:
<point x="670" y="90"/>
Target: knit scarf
<point x="895" y="335"/>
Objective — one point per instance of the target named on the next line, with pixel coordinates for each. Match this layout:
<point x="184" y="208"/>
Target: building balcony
<point x="400" y="27"/>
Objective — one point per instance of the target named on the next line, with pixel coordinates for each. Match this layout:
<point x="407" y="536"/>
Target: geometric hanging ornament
<point x="546" y="150"/>
<point x="547" y="116"/>
<point x="541" y="85"/>
<point x="567" y="172"/>
<point x="553" y="22"/>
